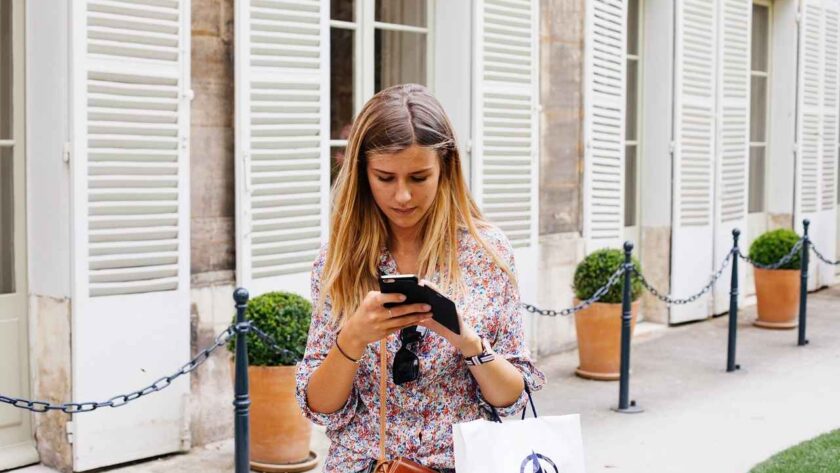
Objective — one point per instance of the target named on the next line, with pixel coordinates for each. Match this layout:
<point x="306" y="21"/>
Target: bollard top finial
<point x="806" y="222"/>
<point x="736" y="232"/>
<point x="628" y="245"/>
<point x="240" y="295"/>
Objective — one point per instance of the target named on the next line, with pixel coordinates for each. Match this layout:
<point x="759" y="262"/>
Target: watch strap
<point x="486" y="355"/>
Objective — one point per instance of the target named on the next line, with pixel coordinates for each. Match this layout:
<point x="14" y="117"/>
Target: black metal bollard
<point x="733" y="306"/>
<point x="242" y="402"/>
<point x="803" y="285"/>
<point x="626" y="406"/>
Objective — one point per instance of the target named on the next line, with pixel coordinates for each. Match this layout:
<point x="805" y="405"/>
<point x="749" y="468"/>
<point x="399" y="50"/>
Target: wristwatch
<point x="486" y="355"/>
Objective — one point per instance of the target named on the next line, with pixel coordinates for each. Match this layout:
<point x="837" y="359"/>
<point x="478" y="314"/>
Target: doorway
<point x="17" y="445"/>
<point x="632" y="131"/>
<point x="759" y="119"/>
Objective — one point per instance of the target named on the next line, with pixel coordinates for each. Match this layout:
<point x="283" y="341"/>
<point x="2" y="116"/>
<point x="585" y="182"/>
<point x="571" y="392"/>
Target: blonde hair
<point x="391" y="121"/>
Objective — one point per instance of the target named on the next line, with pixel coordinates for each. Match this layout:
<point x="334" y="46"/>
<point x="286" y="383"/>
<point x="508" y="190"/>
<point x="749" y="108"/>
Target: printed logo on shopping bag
<point x="536" y="461"/>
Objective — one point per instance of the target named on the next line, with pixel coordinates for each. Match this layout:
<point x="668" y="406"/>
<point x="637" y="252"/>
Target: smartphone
<point x="443" y="309"/>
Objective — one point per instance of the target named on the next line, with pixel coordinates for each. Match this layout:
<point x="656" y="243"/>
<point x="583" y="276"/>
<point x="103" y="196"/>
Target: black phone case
<point x="443" y="309"/>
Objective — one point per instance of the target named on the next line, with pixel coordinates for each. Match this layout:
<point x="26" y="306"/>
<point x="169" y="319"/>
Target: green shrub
<point x="284" y="316"/>
<point x="595" y="270"/>
<point x="772" y="246"/>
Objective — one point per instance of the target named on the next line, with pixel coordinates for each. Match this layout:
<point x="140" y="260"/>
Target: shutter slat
<point x="133" y="234"/>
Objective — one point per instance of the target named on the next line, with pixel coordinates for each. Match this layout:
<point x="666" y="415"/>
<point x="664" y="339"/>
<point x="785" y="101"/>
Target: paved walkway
<point x="697" y="418"/>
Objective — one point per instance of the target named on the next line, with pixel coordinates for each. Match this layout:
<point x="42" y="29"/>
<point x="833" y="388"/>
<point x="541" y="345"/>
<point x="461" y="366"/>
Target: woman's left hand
<point x="467" y="342"/>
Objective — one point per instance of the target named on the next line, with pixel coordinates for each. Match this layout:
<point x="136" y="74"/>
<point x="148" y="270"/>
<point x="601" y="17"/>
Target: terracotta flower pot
<point x="777" y="291"/>
<point x="599" y="339"/>
<point x="280" y="434"/>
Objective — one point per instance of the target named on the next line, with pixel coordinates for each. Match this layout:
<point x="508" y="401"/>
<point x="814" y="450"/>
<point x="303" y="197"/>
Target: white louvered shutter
<point x="507" y="97"/>
<point x="808" y="120"/>
<point x="694" y="151"/>
<point x="816" y="134"/>
<point x="604" y="125"/>
<point x="282" y="132"/>
<point x="130" y="164"/>
<point x="733" y="135"/>
<point x="505" y="144"/>
<point x="830" y="103"/>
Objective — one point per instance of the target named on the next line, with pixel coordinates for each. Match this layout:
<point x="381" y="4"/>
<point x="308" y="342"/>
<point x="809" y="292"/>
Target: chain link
<point x="823" y="258"/>
<point x="668" y="299"/>
<point x="571" y="310"/>
<point x="778" y="264"/>
<point x="120" y="400"/>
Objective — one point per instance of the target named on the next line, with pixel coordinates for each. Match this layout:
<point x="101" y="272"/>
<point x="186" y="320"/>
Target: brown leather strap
<point x="400" y="464"/>
<point x="383" y="373"/>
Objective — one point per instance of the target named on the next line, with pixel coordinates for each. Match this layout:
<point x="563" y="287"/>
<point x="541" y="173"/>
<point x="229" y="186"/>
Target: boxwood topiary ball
<point x="595" y="270"/>
<point x="285" y="317"/>
<point x="772" y="246"/>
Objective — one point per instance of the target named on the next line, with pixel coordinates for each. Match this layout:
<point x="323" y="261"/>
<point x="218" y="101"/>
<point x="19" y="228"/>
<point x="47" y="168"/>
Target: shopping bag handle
<point x="495" y="413"/>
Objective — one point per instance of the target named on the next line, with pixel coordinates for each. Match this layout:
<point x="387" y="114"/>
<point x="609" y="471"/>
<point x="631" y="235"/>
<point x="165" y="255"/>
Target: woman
<point x="402" y="206"/>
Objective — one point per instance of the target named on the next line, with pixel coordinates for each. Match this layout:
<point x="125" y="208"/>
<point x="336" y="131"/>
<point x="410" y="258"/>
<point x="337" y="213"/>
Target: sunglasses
<point x="406" y="363"/>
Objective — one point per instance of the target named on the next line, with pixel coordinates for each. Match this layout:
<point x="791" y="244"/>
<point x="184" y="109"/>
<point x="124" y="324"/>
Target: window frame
<point x="17" y="144"/>
<point x="767" y="106"/>
<point x="364" y="31"/>
<point x="637" y="142"/>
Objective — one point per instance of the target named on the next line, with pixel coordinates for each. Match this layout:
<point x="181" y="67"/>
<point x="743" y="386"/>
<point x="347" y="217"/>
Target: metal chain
<point x="121" y="400"/>
<point x="793" y="252"/>
<point x="224" y="337"/>
<point x="823" y="258"/>
<point x="668" y="299"/>
<point x="272" y="344"/>
<point x="571" y="310"/>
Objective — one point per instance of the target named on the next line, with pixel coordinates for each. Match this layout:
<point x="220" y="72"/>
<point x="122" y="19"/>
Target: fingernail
<point x="426" y="307"/>
<point x="402" y="297"/>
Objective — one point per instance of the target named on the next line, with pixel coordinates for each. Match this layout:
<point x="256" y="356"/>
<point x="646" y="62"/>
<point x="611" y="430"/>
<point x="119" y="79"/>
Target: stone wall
<point x="50" y="354"/>
<point x="213" y="241"/>
<point x="655" y="259"/>
<point x="211" y="386"/>
<point x="561" y="168"/>
<point x="561" y="96"/>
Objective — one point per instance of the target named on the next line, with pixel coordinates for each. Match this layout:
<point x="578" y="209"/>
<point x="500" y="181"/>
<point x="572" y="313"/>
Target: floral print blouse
<point x="420" y="414"/>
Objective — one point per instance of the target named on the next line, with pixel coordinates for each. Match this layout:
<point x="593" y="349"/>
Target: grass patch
<point x="818" y="455"/>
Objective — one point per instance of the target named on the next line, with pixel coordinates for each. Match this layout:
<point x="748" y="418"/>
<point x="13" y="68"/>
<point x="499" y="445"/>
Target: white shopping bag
<point x="550" y="444"/>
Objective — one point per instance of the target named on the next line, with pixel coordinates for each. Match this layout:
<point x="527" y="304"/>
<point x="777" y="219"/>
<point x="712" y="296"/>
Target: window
<point x="7" y="154"/>
<point x="759" y="77"/>
<point x="631" y="127"/>
<point x="374" y="44"/>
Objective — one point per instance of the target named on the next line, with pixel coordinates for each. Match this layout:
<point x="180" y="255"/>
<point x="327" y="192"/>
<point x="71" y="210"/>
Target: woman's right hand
<point x="372" y="321"/>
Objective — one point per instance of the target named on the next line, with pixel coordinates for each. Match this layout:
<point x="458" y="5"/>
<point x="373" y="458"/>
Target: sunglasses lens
<point x="410" y="335"/>
<point x="406" y="366"/>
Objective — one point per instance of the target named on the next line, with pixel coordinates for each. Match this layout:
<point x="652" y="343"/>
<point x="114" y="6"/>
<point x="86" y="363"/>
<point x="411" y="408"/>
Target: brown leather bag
<point x="400" y="465"/>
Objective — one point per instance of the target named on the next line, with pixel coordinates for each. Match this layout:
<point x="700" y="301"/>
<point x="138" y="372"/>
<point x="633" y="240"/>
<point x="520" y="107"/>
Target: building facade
<point x="156" y="154"/>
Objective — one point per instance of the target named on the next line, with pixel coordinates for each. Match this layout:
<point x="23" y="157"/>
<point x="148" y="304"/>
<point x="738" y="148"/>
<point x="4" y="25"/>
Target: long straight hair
<point x="394" y="120"/>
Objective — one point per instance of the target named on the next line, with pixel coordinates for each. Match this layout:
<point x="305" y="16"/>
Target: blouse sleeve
<point x="510" y="342"/>
<point x="319" y="342"/>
